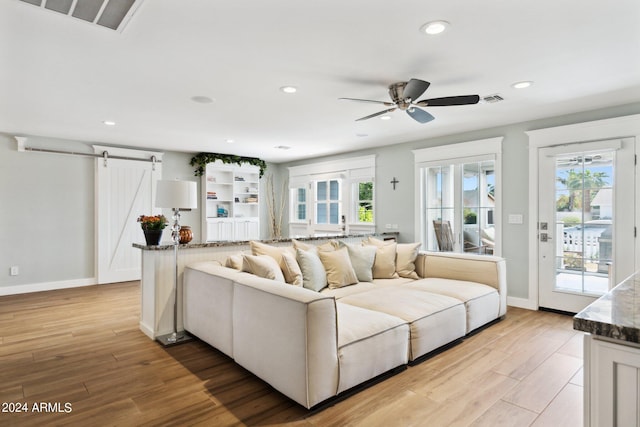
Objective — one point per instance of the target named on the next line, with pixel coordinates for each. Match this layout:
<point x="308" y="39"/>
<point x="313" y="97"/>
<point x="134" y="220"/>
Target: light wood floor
<point x="83" y="347"/>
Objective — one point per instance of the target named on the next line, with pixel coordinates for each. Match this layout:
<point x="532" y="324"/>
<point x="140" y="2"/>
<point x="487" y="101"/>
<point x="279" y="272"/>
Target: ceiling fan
<point x="404" y="96"/>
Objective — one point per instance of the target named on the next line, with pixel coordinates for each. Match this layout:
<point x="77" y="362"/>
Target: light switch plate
<point x="516" y="219"/>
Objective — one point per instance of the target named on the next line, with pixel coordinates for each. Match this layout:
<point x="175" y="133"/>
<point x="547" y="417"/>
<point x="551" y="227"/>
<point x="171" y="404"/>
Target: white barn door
<point x="125" y="189"/>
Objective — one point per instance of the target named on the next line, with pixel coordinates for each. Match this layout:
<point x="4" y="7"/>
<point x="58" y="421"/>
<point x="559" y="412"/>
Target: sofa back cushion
<point x="485" y="269"/>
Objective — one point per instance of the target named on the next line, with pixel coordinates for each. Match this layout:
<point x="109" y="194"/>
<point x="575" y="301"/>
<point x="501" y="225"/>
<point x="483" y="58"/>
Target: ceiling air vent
<point x="490" y="99"/>
<point x="113" y="14"/>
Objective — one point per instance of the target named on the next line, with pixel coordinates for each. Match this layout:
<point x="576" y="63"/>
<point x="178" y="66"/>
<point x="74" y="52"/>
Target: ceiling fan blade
<point x="415" y="88"/>
<point x="449" y="100"/>
<point x="388" y="104"/>
<point x="379" y="113"/>
<point x="419" y="115"/>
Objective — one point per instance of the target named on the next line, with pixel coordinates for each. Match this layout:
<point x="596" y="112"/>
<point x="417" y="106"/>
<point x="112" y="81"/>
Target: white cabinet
<point x="246" y="229"/>
<point x="231" y="202"/>
<point x="219" y="230"/>
<point x="612" y="383"/>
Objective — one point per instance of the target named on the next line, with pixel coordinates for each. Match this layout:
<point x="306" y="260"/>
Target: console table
<point x="156" y="283"/>
<point x="612" y="356"/>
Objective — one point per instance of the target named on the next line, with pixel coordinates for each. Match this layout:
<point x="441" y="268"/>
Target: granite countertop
<point x="616" y="314"/>
<point x="195" y="245"/>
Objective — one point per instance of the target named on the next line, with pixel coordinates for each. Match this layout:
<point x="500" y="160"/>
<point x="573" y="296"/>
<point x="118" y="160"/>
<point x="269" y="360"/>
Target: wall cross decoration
<point x="394" y="181"/>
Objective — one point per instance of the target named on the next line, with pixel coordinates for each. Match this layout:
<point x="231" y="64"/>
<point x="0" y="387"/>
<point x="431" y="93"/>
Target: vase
<point x="186" y="235"/>
<point x="152" y="236"/>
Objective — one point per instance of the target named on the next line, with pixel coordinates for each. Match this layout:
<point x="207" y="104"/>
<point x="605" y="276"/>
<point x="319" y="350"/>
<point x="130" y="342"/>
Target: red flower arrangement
<point x="154" y="222"/>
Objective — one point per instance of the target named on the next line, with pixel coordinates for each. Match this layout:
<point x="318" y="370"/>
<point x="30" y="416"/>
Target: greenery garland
<point x="202" y="159"/>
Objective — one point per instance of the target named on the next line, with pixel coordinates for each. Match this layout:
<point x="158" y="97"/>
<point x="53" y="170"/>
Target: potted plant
<point x="152" y="227"/>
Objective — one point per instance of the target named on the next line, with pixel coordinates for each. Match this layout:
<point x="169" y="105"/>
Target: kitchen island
<point x="612" y="356"/>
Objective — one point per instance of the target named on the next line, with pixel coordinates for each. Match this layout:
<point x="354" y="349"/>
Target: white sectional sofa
<point x="313" y="345"/>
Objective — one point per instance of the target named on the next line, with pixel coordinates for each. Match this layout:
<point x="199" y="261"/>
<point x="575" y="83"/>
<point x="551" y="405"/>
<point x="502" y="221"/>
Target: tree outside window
<point x="365" y="202"/>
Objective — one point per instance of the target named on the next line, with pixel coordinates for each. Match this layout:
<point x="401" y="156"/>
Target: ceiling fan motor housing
<point x="396" y="92"/>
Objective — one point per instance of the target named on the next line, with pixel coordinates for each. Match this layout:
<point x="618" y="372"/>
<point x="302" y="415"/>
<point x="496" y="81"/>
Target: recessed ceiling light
<point x="202" y="99"/>
<point x="289" y="89"/>
<point x="521" y="85"/>
<point x="434" y="27"/>
<point x="362" y="135"/>
<point x="229" y="141"/>
<point x="385" y="117"/>
<point x="282" y="147"/>
<point x="109" y="122"/>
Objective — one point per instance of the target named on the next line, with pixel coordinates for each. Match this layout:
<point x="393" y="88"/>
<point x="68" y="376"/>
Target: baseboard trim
<point x="46" y="286"/>
<point x="522" y="303"/>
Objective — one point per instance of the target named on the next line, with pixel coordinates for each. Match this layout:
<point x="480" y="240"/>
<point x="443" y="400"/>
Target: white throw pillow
<point x="362" y="259"/>
<point x="314" y="276"/>
<point x="262" y="266"/>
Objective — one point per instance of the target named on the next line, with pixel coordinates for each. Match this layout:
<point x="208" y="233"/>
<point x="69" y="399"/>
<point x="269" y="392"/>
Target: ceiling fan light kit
<point x="404" y="96"/>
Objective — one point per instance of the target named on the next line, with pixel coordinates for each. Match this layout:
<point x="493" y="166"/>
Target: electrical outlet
<point x="387" y="226"/>
<point x="14" y="271"/>
<point x="394" y="226"/>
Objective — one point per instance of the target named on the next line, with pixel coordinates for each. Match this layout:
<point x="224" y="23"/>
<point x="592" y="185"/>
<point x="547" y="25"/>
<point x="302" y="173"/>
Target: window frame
<point x="347" y="172"/>
<point x="457" y="154"/>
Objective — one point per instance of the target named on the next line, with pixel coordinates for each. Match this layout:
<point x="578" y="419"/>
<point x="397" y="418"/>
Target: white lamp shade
<point x="177" y="194"/>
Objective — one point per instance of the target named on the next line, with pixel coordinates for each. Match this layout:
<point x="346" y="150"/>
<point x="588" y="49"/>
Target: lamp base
<point x="174" y="338"/>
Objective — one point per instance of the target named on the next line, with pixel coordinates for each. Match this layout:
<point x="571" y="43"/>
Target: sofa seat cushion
<point x="369" y="344"/>
<point x="348" y="290"/>
<point x="434" y="320"/>
<point x="364" y="287"/>
<point x="383" y="283"/>
<point x="482" y="302"/>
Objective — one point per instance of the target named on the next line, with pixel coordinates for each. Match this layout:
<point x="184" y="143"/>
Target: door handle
<point x="544" y="237"/>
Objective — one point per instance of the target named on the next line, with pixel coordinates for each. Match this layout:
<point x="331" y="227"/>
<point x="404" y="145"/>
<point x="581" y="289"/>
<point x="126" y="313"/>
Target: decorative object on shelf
<point x="275" y="207"/>
<point x="176" y="195"/>
<point x="152" y="227"/>
<point x="186" y="235"/>
<point x="202" y="159"/>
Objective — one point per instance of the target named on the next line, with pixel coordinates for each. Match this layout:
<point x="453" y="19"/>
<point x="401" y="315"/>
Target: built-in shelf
<point x="231" y="202"/>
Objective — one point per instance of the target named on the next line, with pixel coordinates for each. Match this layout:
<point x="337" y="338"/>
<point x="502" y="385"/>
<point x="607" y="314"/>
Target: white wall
<point x="47" y="200"/>
<point x="46" y="215"/>
<point x="397" y="207"/>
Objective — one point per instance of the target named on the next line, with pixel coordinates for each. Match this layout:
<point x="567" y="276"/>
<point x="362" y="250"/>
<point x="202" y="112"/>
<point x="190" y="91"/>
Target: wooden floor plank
<point x="83" y="347"/>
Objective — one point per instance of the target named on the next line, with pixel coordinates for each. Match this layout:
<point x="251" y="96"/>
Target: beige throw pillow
<point x="338" y="268"/>
<point x="331" y="245"/>
<point x="384" y="266"/>
<point x="262" y="266"/>
<point x="406" y="254"/>
<point x="277" y="252"/>
<point x="234" y="261"/>
<point x="291" y="269"/>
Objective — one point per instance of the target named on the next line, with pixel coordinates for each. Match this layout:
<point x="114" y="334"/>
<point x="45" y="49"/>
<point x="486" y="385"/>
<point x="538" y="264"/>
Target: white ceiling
<point x="62" y="77"/>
